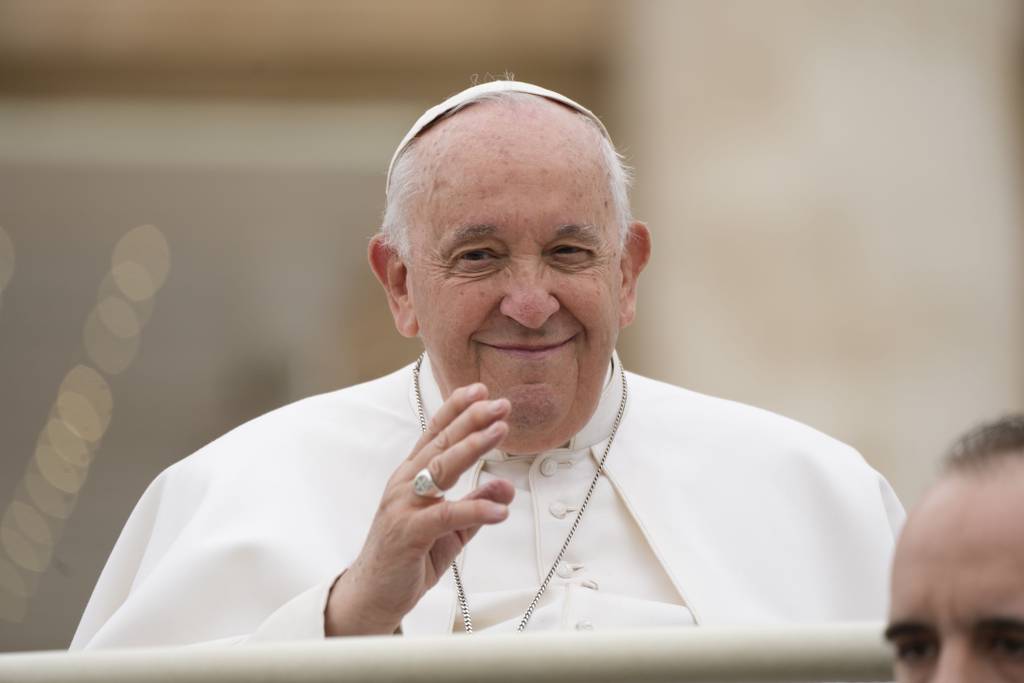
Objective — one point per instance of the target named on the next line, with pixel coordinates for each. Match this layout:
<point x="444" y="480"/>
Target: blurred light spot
<point x="11" y="580"/>
<point x="110" y="353"/>
<point x="80" y="416"/>
<point x="142" y="250"/>
<point x="51" y="500"/>
<point x="57" y="471"/>
<point x="85" y="381"/>
<point x="68" y="445"/>
<point x="133" y="280"/>
<point x="84" y="405"/>
<point x="28" y="521"/>
<point x="22" y="551"/>
<point x="89" y="393"/>
<point x="6" y="259"/>
<point x="119" y="317"/>
<point x="143" y="308"/>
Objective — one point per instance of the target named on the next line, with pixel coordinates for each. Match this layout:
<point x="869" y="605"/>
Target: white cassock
<point x="711" y="512"/>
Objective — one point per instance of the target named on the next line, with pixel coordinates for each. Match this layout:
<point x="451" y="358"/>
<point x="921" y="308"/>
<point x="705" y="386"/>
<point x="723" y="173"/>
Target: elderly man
<point x="528" y="480"/>
<point x="958" y="578"/>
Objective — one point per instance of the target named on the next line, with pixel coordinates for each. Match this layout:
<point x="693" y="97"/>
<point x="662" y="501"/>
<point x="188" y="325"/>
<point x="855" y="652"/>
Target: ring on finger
<point x="423" y="485"/>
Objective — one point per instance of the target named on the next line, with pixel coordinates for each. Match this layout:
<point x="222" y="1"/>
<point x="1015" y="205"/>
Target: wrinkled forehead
<point x="482" y="92"/>
<point x="536" y="134"/>
<point x="530" y="162"/>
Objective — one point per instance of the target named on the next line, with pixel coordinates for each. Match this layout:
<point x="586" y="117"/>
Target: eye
<point x="570" y="253"/>
<point x="475" y="255"/>
<point x="1007" y="646"/>
<point x="912" y="651"/>
<point x="474" y="261"/>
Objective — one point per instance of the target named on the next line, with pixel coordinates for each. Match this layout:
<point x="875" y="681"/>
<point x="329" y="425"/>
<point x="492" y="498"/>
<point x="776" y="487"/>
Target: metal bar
<point x="834" y="652"/>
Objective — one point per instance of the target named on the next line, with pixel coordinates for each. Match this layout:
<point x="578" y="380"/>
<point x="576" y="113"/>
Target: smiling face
<point x="958" y="581"/>
<point x="516" y="276"/>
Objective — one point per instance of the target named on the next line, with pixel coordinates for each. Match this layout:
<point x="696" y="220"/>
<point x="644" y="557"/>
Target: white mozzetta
<point x="735" y="515"/>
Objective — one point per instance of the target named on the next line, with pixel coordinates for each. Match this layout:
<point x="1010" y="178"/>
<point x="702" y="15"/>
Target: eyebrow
<point x="1000" y="624"/>
<point x="467" y="233"/>
<point x="585" y="232"/>
<point x="900" y="629"/>
<point x="473" y="231"/>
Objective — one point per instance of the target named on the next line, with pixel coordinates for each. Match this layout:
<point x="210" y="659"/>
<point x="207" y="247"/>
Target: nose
<point x="958" y="663"/>
<point x="528" y="300"/>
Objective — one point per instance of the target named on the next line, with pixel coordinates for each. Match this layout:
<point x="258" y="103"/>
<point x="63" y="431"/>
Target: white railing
<point x="836" y="652"/>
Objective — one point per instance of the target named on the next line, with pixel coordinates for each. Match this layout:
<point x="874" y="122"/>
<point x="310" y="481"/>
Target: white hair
<point x="407" y="180"/>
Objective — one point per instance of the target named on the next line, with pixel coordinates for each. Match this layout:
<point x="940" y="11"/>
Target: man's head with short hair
<point x="957" y="608"/>
<point x="508" y="248"/>
<point x="987" y="446"/>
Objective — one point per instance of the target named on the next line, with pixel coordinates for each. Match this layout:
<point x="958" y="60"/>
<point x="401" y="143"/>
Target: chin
<point x="537" y="419"/>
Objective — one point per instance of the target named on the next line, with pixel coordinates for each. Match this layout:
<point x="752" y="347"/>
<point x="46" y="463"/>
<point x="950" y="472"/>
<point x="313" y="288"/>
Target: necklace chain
<point x="467" y="619"/>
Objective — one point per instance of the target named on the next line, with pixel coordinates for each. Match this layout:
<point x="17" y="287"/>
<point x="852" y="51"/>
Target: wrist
<point x="348" y="614"/>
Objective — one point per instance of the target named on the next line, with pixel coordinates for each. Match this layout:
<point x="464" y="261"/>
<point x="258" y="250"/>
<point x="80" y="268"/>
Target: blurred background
<point x="187" y="188"/>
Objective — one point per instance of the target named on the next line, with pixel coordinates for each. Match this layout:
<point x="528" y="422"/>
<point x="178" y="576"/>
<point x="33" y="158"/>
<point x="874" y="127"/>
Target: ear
<point x="393" y="275"/>
<point x="635" y="254"/>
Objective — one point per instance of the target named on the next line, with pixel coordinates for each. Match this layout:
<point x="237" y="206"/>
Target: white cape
<point x="755" y="517"/>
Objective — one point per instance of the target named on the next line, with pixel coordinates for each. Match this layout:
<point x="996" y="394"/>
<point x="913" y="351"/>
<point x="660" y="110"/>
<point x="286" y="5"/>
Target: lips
<point x="530" y="351"/>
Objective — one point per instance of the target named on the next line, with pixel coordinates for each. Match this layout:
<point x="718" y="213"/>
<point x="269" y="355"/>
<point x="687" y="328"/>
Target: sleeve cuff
<point x="301" y="618"/>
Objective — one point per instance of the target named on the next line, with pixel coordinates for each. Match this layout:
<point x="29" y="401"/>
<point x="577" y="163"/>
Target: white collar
<point x="597" y="429"/>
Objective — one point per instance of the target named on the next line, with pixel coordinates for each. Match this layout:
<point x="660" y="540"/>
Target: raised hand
<point x="413" y="539"/>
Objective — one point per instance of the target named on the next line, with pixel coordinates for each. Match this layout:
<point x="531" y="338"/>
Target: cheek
<point x="595" y="303"/>
<point x="464" y="310"/>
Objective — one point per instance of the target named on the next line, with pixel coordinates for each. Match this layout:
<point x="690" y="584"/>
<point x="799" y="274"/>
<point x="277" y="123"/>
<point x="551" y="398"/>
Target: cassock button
<point x="558" y="509"/>
<point x="564" y="570"/>
<point x="584" y="625"/>
<point x="548" y="468"/>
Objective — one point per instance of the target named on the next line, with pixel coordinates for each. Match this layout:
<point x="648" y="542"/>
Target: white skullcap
<point x="434" y="113"/>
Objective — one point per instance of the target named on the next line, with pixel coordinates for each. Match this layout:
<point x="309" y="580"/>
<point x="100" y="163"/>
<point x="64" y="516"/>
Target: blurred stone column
<point x="833" y="192"/>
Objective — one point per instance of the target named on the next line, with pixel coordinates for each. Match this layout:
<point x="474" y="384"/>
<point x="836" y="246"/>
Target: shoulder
<point x="357" y="423"/>
<point x="757" y="500"/>
<point x="733" y="430"/>
<point x="734" y="455"/>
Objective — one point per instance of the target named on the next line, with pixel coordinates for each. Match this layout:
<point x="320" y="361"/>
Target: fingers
<point x="478" y="428"/>
<point x="446" y="468"/>
<point x="476" y="417"/>
<point x="461" y="398"/>
<point x="448" y="516"/>
<point x="497" y="490"/>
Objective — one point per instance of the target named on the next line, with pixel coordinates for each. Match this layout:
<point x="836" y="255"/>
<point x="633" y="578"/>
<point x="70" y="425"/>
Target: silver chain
<point x="467" y="619"/>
